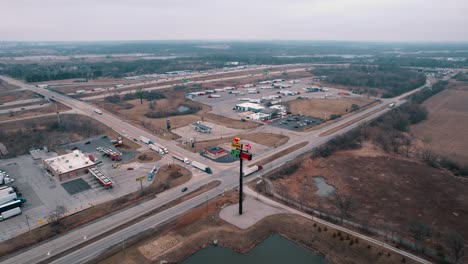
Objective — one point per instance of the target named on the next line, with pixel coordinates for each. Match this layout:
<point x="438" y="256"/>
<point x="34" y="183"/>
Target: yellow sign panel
<point x="39" y="221"/>
<point x="140" y="179"/>
<point x="236" y="145"/>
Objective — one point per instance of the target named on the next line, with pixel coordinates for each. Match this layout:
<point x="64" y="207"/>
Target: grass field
<point x="323" y="108"/>
<point x="445" y="131"/>
<point x="12" y="95"/>
<point x="387" y="192"/>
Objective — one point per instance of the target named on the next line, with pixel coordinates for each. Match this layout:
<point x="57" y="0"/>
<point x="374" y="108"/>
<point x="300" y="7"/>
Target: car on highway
<point x="130" y="168"/>
<point x="184" y="189"/>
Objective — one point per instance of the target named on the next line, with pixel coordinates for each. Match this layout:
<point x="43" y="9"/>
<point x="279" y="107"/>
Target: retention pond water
<point x="273" y="250"/>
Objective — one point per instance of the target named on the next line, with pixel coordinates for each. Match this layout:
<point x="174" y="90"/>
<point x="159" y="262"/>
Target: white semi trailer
<point x="252" y="170"/>
<point x="7" y="198"/>
<point x="10" y="213"/>
<point x="145" y="140"/>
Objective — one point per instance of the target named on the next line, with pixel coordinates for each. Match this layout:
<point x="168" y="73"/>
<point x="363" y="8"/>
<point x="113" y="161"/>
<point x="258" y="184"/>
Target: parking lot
<point x="296" y="122"/>
<point x="225" y="104"/>
<point x="44" y="192"/>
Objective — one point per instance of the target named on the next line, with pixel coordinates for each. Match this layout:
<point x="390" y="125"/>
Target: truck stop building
<point x="249" y="107"/>
<point x="68" y="166"/>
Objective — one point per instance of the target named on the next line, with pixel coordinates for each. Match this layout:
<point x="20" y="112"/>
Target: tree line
<point x="390" y="77"/>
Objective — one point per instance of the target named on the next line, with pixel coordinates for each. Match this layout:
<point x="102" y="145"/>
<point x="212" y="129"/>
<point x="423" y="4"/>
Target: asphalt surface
<point x="226" y="173"/>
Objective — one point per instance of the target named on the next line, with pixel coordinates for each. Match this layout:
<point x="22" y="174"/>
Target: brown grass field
<point x="323" y="108"/>
<point x="4" y="86"/>
<point x="388" y="192"/>
<point x="13" y="95"/>
<point x="266" y="139"/>
<point x="446" y="129"/>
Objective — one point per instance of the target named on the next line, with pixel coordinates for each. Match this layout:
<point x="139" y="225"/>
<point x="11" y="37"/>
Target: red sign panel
<point x="246" y="156"/>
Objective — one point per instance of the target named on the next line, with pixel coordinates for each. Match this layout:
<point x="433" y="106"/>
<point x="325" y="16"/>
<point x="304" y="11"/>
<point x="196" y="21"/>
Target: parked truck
<point x="97" y="111"/>
<point x="201" y="167"/>
<point x="251" y="170"/>
<point x="10" y="213"/>
<point x="145" y="140"/>
<point x="7" y="190"/>
<point x="7" y="198"/>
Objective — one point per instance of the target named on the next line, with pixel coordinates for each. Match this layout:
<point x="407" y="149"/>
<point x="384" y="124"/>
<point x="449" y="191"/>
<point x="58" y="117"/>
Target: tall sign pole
<point x="241" y="154"/>
<point x="241" y="183"/>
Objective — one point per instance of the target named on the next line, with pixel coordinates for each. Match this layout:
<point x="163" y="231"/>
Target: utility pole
<point x="27" y="221"/>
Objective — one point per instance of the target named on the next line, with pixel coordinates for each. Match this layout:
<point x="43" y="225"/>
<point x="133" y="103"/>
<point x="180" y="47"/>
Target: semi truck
<point x="214" y="96"/>
<point x="156" y="148"/>
<point x="5" y="191"/>
<point x="145" y="140"/>
<point x="184" y="160"/>
<point x="252" y="170"/>
<point x="10" y="205"/>
<point x="164" y="149"/>
<point x="10" y="213"/>
<point x="97" y="111"/>
<point x="201" y="167"/>
<point x="7" y="198"/>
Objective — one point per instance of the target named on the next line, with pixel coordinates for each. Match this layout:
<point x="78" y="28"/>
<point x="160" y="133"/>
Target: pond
<point x="324" y="189"/>
<point x="273" y="250"/>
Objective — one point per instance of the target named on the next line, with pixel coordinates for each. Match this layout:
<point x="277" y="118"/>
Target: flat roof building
<point x="249" y="107"/>
<point x="69" y="165"/>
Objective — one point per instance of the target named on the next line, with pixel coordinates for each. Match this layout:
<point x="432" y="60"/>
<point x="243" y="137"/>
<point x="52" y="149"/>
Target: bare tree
<point x="56" y="215"/>
<point x="456" y="244"/>
<point x="343" y="203"/>
<point x="420" y="232"/>
<point x="429" y="157"/>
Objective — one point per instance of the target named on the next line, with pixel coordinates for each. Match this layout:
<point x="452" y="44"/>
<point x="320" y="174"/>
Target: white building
<point x="249" y="107"/>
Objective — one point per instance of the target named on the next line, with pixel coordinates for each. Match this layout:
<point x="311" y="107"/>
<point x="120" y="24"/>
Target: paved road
<point x="228" y="175"/>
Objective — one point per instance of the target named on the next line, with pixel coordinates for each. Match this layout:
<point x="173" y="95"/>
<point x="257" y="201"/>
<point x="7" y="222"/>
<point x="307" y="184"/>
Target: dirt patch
<point x="5" y="87"/>
<point x="388" y="192"/>
<point x="17" y="95"/>
<point x="199" y="227"/>
<point x="146" y="157"/>
<point x="170" y="176"/>
<point x="266" y="139"/>
<point x="281" y="153"/>
<point x="324" y="108"/>
<point x="34" y="112"/>
<point x="446" y="129"/>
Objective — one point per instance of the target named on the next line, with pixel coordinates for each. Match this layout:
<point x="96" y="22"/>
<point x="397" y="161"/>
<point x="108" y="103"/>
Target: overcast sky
<point x="374" y="20"/>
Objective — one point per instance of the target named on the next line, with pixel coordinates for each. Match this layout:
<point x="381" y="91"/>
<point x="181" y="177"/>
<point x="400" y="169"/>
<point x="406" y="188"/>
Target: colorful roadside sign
<point x="235" y="153"/>
<point x="247" y="147"/>
<point x="140" y="179"/>
<point x="245" y="156"/>
<point x="236" y="145"/>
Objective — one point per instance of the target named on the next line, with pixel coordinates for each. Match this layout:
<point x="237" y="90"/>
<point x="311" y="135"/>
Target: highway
<point x="228" y="175"/>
